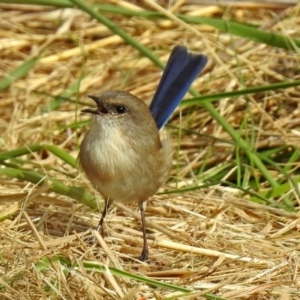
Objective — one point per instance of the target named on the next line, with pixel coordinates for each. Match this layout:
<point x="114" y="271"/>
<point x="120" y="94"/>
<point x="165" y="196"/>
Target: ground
<point x="223" y="225"/>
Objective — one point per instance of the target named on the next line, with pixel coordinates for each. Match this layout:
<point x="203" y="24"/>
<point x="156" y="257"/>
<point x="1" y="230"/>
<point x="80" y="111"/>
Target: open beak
<point x="101" y="109"/>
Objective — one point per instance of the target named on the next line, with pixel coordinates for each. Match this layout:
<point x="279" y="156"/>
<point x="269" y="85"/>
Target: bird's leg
<point x="145" y="251"/>
<point x="107" y="203"/>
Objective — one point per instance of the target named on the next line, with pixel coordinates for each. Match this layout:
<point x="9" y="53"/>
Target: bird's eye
<point x="120" y="109"/>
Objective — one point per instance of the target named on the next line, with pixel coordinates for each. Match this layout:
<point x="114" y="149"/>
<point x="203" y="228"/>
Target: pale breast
<point x="124" y="169"/>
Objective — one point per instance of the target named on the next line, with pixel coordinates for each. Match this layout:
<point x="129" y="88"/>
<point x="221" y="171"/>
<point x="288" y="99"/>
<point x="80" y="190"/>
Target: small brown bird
<point x="123" y="154"/>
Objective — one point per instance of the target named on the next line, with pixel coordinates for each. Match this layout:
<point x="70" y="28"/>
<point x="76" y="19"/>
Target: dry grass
<point x="209" y="240"/>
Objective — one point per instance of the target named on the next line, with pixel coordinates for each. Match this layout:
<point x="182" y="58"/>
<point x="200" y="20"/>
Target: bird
<point x="124" y="154"/>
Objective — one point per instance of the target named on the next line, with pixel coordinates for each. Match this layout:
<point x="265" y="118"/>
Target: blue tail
<point x="181" y="70"/>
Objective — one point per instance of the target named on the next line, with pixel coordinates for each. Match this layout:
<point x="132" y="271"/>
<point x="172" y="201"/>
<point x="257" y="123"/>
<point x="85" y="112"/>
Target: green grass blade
<point x="60" y="153"/>
<point x="246" y="31"/>
<point x="19" y="152"/>
<point x="18" y="73"/>
<point x="46" y="263"/>
<point x="57" y="186"/>
<point x="242" y="30"/>
<point x="294" y="159"/>
<point x="55" y="3"/>
<point x="247" y="91"/>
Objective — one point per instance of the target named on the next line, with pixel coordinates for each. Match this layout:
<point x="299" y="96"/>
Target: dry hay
<point x="210" y="240"/>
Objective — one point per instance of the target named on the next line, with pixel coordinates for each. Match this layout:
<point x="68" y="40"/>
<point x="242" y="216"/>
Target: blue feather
<point x="181" y="70"/>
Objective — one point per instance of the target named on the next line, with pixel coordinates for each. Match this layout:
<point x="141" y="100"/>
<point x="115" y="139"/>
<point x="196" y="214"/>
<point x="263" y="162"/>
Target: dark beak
<point x="101" y="109"/>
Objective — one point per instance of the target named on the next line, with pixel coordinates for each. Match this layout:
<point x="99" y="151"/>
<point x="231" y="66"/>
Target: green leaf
<point x="17" y="73"/>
